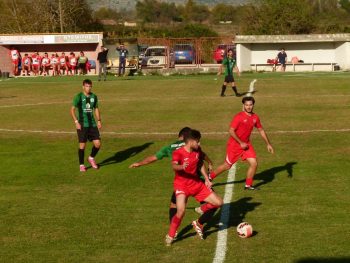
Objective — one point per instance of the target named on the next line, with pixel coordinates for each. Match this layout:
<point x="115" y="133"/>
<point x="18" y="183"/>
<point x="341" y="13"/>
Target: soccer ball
<point x="244" y="230"/>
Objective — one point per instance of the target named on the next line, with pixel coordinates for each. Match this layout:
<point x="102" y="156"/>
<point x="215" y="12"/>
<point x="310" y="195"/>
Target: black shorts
<point x="88" y="133"/>
<point x="82" y="65"/>
<point x="229" y="79"/>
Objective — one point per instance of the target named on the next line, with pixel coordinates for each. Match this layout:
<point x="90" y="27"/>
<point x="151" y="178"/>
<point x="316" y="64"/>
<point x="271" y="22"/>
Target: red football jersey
<point x="243" y="125"/>
<point x="194" y="159"/>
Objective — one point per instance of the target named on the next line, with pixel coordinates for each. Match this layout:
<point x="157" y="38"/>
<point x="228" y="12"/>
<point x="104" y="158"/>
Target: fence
<point x="183" y="52"/>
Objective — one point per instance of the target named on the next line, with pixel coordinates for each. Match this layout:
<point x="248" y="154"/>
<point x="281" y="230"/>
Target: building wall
<point x="321" y="52"/>
<point x="5" y="59"/>
<point x="243" y="56"/>
<point x="342" y="55"/>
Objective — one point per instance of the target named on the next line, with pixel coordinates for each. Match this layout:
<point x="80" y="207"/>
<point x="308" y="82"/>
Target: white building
<point x="323" y="52"/>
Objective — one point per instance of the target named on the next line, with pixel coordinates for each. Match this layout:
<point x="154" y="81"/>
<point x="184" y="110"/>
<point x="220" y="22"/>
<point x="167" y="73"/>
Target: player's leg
<point x="234" y="88"/>
<point x="172" y="207"/>
<point x="253" y="165"/>
<point x="100" y="66"/>
<point x="95" y="148"/>
<point x="105" y="71"/>
<point x="176" y="220"/>
<point x="82" y="138"/>
<point x="220" y="169"/>
<point x="223" y="88"/>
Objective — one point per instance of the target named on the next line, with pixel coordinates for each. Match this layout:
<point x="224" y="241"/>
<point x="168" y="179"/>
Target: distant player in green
<point x="86" y="104"/>
<point x="230" y="65"/>
<point x="167" y="151"/>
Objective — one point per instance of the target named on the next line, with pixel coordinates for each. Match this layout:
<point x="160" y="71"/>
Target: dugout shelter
<point x="318" y="52"/>
<point x="89" y="43"/>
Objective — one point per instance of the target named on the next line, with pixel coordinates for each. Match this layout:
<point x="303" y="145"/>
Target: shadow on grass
<point x="324" y="260"/>
<point x="238" y="211"/>
<point x="123" y="155"/>
<point x="268" y="175"/>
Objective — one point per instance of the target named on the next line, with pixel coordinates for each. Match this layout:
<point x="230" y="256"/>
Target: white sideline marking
<point x="32" y="104"/>
<point x="221" y="244"/>
<point x="167" y="133"/>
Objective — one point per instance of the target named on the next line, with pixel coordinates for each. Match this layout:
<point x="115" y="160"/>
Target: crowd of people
<point x="37" y="64"/>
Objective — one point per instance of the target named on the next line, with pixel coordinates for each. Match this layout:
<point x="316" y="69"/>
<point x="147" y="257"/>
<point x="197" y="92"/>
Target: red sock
<point x="212" y="175"/>
<point x="175" y="223"/>
<point x="206" y="207"/>
<point x="249" y="181"/>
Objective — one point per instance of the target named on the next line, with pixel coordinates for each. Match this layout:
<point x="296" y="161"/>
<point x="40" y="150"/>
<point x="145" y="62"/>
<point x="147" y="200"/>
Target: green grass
<point x="49" y="212"/>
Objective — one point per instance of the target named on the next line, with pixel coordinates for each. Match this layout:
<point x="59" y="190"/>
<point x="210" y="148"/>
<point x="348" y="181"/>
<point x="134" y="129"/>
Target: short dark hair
<point x="230" y="49"/>
<point x="248" y="98"/>
<point x="184" y="131"/>
<point x="192" y="135"/>
<point x="87" y="81"/>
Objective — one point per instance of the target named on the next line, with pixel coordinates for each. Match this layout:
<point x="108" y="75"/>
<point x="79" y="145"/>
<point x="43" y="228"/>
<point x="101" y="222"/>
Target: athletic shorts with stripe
<point x="197" y="189"/>
<point x="235" y="152"/>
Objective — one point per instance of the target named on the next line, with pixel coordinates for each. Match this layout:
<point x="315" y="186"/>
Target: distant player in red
<point x="15" y="57"/>
<point x="186" y="162"/>
<point x="36" y="63"/>
<point x="63" y="64"/>
<point x="239" y="146"/>
<point x="72" y="63"/>
<point x="26" y="65"/>
<point x="45" y="62"/>
<point x="55" y="64"/>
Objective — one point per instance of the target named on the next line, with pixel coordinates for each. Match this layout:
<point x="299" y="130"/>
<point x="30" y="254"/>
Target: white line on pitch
<point x="221" y="244"/>
<point x="166" y="133"/>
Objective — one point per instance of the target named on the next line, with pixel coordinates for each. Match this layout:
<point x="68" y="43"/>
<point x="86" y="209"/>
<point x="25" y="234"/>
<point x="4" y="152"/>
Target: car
<point x="184" y="53"/>
<point x="221" y="51"/>
<point x="158" y="57"/>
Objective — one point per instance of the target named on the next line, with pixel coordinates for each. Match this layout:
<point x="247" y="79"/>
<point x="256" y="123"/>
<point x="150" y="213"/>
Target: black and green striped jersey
<point x="86" y="106"/>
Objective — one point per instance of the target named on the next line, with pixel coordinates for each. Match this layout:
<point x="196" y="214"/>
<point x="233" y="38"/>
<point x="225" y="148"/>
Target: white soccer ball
<point x="244" y="230"/>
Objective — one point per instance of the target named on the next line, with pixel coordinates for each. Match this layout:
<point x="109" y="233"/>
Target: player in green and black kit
<point x="167" y="151"/>
<point x="86" y="103"/>
<point x="230" y="64"/>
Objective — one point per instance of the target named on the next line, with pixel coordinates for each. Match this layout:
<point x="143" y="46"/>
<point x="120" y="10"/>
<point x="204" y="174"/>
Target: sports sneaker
<point x="198" y="228"/>
<point x="250" y="187"/>
<point x="168" y="240"/>
<point x="198" y="210"/>
<point x="92" y="162"/>
<point x="175" y="237"/>
<point x="82" y="168"/>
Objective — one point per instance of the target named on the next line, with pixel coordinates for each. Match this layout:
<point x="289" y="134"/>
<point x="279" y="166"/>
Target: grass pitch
<point x="49" y="212"/>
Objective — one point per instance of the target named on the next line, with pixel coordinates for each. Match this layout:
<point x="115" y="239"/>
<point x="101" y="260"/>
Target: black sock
<point x="172" y="212"/>
<point x="223" y="90"/>
<point x="207" y="216"/>
<point x="235" y="89"/>
<point x="81" y="156"/>
<point x="94" y="151"/>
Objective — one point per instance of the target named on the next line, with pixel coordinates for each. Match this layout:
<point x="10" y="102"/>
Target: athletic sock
<point x="248" y="181"/>
<point x="94" y="151"/>
<point x="206" y="207"/>
<point x="174" y="225"/>
<point x="223" y="89"/>
<point x="235" y="90"/>
<point x="81" y="156"/>
<point x="172" y="213"/>
<point x="207" y="216"/>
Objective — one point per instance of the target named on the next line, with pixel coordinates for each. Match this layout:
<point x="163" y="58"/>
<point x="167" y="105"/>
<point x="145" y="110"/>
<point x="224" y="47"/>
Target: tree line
<point x="159" y="18"/>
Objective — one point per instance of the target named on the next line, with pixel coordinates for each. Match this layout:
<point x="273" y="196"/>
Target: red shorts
<point x="72" y="67"/>
<point x="15" y="61"/>
<point x="35" y="66"/>
<point x="234" y="152"/>
<point x="197" y="189"/>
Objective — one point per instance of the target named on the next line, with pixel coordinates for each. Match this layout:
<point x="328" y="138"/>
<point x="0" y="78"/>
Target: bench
<point x="331" y="65"/>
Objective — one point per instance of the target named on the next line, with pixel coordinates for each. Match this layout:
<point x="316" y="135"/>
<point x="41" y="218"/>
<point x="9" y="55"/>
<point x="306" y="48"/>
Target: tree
<point x="278" y="17"/>
<point x="195" y="12"/>
<point x="223" y="12"/>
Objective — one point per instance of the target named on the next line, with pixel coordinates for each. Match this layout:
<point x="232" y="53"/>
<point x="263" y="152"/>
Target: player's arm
<point x="266" y="139"/>
<point x="147" y="160"/>
<point x="237" y="71"/>
<point x="208" y="182"/>
<point x="209" y="162"/>
<point x="237" y="139"/>
<point x="74" y="117"/>
<point x="98" y="118"/>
